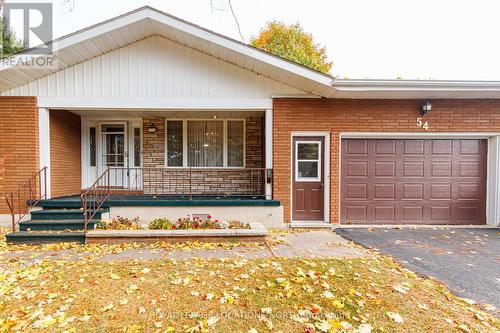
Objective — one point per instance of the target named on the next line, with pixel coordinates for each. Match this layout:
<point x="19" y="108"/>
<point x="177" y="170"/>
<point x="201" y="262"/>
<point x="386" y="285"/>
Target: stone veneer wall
<point x="254" y="142"/>
<point x="153" y="144"/>
<point x="204" y="182"/>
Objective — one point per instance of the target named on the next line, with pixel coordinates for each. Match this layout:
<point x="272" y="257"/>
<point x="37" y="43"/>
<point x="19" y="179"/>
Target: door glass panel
<point x="114" y="145"/>
<point x="308" y="161"/>
<point x="307" y="169"/>
<point x="137" y="147"/>
<point x="308" y="151"/>
<point x="93" y="148"/>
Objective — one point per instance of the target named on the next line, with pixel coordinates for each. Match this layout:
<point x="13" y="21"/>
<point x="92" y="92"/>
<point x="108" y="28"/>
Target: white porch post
<point x="269" y="149"/>
<point x="44" y="143"/>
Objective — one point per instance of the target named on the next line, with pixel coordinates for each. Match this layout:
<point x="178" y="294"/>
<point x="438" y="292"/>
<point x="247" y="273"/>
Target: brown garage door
<point x="413" y="181"/>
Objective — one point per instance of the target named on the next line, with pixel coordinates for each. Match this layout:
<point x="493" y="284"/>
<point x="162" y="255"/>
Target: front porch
<point x="178" y="154"/>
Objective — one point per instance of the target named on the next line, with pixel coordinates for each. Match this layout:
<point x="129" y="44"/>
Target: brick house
<point x="181" y="120"/>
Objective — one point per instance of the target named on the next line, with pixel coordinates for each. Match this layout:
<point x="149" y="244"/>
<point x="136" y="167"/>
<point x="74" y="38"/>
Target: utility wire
<point x="236" y="19"/>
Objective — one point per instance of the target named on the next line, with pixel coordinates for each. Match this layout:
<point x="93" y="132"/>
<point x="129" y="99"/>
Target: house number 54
<point x="422" y="124"/>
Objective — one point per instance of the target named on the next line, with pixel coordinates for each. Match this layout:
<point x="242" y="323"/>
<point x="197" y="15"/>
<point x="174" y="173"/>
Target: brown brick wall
<point x="65" y="153"/>
<point x="18" y="143"/>
<point x="339" y="115"/>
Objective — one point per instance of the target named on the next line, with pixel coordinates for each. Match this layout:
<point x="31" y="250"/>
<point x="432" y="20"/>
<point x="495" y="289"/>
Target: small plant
<point x="238" y="225"/>
<point x="161" y="224"/>
<point x="187" y="222"/>
<point x="120" y="223"/>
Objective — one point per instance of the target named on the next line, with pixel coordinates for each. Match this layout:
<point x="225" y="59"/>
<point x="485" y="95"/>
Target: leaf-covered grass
<point x="230" y="295"/>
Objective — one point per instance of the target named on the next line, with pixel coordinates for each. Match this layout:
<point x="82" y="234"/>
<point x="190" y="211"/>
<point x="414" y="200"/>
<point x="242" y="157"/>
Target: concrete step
<point x="38" y="225"/>
<point x="37" y="237"/>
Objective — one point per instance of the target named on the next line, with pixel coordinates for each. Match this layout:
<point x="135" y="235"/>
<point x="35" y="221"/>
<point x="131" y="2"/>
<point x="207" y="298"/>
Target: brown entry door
<point x="308" y="179"/>
<point x="413" y="181"/>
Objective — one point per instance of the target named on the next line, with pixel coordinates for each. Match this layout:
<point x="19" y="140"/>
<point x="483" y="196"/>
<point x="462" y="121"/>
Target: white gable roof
<point x="144" y="22"/>
<point x="94" y="42"/>
<point x="154" y="68"/>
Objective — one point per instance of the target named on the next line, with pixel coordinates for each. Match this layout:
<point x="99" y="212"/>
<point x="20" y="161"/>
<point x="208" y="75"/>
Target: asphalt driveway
<point x="467" y="260"/>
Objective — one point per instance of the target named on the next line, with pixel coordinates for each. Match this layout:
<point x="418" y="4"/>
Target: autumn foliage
<point x="293" y="43"/>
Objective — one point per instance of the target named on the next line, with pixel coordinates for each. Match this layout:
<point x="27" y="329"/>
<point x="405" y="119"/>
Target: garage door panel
<point x="413" y="213"/>
<point x="441" y="191"/>
<point x="470" y="147"/>
<point x="413" y="191"/>
<point x="385" y="213"/>
<point x="441" y="169"/>
<point x="356" y="213"/>
<point x="441" y="147"/>
<point x="385" y="169"/>
<point x="356" y="192"/>
<point x="385" y="147"/>
<point x="357" y="147"/>
<point x="384" y="191"/>
<point x="469" y="192"/>
<point x="357" y="169"/>
<point x="469" y="169"/>
<point x="413" y="147"/>
<point x="413" y="169"/>
<point x="413" y="181"/>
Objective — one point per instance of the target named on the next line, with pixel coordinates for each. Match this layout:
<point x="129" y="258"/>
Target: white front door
<point x="114" y="152"/>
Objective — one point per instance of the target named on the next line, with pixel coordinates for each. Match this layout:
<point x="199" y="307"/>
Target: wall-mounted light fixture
<point x="425" y="108"/>
<point x="152" y="128"/>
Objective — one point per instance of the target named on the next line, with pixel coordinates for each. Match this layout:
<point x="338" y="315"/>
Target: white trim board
<point x="326" y="136"/>
<point x="144" y="104"/>
<point x="44" y="144"/>
<point x="493" y="161"/>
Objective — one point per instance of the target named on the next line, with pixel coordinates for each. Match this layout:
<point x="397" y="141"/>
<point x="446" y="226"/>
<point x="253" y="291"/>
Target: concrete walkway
<point x="314" y="244"/>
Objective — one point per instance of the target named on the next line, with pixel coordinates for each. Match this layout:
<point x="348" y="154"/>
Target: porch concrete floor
<point x="313" y="244"/>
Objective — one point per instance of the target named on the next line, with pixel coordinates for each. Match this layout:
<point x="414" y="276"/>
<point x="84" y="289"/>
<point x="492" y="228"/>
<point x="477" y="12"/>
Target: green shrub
<point x="161" y="224"/>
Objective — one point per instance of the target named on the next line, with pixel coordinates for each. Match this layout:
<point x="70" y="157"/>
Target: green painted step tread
<point x="69" y="221"/>
<point x="46" y="211"/>
<point x="62" y="234"/>
<point x="39" y="237"/>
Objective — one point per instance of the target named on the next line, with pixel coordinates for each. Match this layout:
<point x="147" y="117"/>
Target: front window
<point x="174" y="143"/>
<point x="205" y="143"/>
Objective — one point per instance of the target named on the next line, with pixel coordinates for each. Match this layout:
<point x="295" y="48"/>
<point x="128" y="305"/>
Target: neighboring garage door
<point x="413" y="181"/>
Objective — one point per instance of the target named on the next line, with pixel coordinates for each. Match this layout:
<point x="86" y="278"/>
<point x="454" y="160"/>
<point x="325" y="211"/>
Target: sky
<point x="376" y="39"/>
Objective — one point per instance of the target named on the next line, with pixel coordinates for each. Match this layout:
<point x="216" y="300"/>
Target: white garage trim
<point x="493" y="160"/>
<point x="326" y="176"/>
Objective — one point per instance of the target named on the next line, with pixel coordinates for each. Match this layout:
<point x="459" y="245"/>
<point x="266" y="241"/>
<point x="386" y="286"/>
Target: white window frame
<point x="225" y="143"/>
<point x="319" y="160"/>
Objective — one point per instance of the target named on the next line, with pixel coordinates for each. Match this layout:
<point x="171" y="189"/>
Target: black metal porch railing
<point x="27" y="196"/>
<point x="179" y="182"/>
<point x="95" y="196"/>
<point x="188" y="182"/>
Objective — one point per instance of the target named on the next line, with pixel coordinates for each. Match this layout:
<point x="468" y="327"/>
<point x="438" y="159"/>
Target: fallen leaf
<point x="395" y="317"/>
